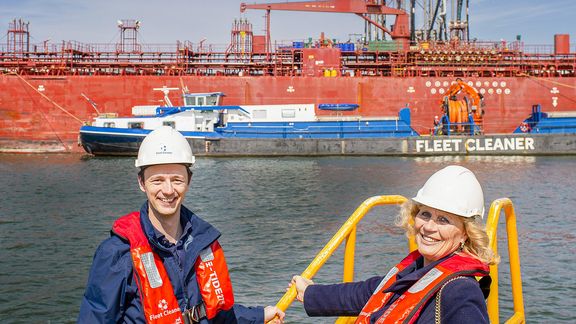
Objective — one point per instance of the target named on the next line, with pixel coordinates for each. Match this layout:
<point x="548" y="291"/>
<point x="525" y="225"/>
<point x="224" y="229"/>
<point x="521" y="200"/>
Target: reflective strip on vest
<point x="408" y="306"/>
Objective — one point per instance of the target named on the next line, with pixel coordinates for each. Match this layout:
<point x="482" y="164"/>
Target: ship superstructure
<point x="50" y="89"/>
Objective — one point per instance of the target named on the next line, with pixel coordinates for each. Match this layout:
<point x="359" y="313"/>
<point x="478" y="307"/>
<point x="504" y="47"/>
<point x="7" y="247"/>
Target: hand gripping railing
<point x="348" y="232"/>
<point x="513" y="255"/>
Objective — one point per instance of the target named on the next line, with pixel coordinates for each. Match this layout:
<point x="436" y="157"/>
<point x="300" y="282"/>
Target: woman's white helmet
<point x="453" y="189"/>
<point x="164" y="145"/>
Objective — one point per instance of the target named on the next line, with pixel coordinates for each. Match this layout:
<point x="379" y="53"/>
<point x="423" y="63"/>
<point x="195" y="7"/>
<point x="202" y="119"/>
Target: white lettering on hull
<point x="438" y="145"/>
<point x="485" y="144"/>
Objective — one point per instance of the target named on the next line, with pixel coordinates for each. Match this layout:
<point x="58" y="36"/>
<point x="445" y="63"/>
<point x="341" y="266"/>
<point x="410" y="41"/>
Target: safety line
<point x="46" y="97"/>
<point x="54" y="131"/>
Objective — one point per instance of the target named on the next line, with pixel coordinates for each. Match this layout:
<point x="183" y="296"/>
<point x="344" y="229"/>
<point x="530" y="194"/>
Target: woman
<point x="435" y="283"/>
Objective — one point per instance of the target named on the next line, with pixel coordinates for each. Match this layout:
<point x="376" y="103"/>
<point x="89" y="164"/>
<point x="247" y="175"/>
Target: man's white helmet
<point x="453" y="189"/>
<point x="164" y="145"/>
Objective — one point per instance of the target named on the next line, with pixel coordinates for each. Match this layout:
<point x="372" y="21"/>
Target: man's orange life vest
<point x="156" y="292"/>
<point x="408" y="306"/>
<point x="214" y="280"/>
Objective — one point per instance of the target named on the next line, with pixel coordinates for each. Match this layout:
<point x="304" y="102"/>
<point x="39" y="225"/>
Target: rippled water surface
<point x="275" y="215"/>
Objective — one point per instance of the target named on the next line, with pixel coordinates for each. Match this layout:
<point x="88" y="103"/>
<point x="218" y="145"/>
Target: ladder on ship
<point x="398" y="63"/>
<point x="347" y="234"/>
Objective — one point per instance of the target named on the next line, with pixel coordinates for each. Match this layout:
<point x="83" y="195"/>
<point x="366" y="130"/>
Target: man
<point x="163" y="264"/>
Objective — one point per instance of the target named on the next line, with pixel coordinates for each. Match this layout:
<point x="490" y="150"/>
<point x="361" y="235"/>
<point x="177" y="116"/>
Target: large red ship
<point x="49" y="90"/>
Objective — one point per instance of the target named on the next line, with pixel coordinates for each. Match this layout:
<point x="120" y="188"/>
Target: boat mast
<point x="128" y="36"/>
<point x="18" y="37"/>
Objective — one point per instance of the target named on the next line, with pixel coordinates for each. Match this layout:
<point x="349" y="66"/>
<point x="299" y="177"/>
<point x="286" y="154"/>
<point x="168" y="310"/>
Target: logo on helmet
<point x="163" y="149"/>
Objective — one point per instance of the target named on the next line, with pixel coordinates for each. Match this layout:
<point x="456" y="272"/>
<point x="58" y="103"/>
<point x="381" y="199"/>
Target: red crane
<point x="362" y="8"/>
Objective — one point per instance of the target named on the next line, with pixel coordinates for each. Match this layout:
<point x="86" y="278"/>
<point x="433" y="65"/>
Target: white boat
<point x="203" y="116"/>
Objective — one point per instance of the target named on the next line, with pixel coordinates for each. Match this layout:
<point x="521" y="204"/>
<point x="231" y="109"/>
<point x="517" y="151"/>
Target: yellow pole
<point x="349" y="257"/>
<point x="491" y="227"/>
<point x="514" y="256"/>
<point x="348" y="269"/>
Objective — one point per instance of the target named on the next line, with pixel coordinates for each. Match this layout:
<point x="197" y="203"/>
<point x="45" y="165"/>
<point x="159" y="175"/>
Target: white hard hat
<point x="164" y="145"/>
<point x="453" y="189"/>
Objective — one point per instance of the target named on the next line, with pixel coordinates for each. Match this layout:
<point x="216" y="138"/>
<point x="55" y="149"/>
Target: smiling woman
<point x="435" y="283"/>
<point x="438" y="233"/>
<point x="446" y="215"/>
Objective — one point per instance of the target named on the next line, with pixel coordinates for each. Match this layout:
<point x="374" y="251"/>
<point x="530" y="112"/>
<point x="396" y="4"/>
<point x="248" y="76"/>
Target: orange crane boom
<point x="362" y="8"/>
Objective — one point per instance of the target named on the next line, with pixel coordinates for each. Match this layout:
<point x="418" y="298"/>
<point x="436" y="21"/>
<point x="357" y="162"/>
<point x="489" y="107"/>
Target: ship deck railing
<point x="186" y="58"/>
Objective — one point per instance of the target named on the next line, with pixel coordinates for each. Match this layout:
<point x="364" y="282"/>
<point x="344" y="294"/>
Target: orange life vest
<point x="408" y="306"/>
<point x="156" y="292"/>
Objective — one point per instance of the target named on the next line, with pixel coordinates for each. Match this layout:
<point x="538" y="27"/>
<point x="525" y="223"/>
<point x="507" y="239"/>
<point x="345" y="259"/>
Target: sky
<point x="168" y="21"/>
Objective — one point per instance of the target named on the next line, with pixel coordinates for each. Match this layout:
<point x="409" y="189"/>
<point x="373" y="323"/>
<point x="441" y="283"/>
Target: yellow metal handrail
<point x="348" y="232"/>
<point x="513" y="255"/>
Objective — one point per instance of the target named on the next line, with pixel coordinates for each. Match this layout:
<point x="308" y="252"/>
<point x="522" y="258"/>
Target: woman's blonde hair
<point x="476" y="244"/>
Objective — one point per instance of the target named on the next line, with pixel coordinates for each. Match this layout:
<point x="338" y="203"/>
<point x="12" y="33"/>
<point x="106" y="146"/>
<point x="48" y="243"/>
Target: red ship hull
<point x="31" y="122"/>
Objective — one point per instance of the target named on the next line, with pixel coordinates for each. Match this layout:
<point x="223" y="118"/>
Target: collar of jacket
<point x="413" y="273"/>
<point x="202" y="235"/>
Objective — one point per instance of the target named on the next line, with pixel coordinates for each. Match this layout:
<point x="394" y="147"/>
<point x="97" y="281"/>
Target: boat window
<point x="288" y="113"/>
<point x="169" y="123"/>
<point x="190" y="101"/>
<point x="260" y="114"/>
<point x="110" y="124"/>
<point x="136" y="125"/>
<point x="212" y="101"/>
<point x="200" y="101"/>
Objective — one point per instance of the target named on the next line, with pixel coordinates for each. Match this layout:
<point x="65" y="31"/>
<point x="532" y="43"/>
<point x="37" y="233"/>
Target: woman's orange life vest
<point x="408" y="306"/>
<point x="156" y="292"/>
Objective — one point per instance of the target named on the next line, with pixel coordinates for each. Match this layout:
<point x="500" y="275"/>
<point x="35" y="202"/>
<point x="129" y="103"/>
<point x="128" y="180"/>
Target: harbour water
<point x="275" y="215"/>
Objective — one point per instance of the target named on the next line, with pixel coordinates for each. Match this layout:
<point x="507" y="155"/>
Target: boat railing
<point x="347" y="234"/>
<point x="499" y="205"/>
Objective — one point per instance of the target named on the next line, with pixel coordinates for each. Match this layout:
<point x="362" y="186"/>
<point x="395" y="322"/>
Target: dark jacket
<point x="112" y="295"/>
<point x="462" y="300"/>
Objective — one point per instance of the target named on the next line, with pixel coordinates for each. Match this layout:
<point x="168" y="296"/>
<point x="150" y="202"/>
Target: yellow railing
<point x="513" y="255"/>
<point x="348" y="232"/>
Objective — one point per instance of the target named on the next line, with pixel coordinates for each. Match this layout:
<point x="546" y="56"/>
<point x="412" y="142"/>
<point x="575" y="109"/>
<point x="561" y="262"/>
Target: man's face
<point x="165" y="186"/>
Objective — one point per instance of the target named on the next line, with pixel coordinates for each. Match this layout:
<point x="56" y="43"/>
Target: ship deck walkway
<point x="464" y="60"/>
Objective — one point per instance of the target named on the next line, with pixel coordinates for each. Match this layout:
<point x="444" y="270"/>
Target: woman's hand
<point x="301" y="284"/>
<point x="273" y="314"/>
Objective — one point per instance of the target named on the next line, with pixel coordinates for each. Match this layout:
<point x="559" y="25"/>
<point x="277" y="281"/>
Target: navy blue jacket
<point x="112" y="295"/>
<point x="462" y="299"/>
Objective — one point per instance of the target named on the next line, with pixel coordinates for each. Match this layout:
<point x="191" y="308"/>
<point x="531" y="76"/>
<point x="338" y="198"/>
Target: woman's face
<point x="438" y="233"/>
